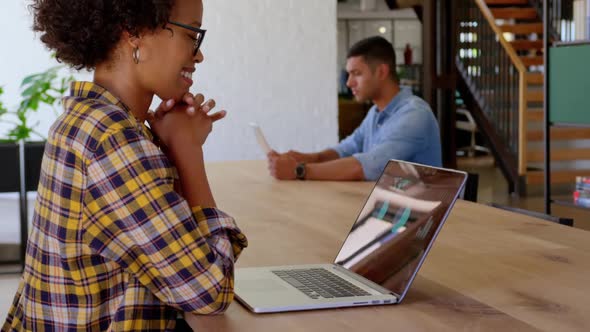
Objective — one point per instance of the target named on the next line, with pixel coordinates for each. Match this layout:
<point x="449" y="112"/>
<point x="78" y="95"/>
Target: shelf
<point x="571" y="43"/>
<point x="569" y="125"/>
<point x="564" y="199"/>
<point x="356" y="14"/>
<point x="570" y="203"/>
<point x="567" y="78"/>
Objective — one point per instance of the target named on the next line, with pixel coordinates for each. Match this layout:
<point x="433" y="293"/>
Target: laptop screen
<point x="399" y="221"/>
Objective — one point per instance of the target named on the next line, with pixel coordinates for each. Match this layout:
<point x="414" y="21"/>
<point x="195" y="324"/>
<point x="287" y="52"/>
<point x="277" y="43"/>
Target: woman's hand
<point x="189" y="100"/>
<point x="189" y="122"/>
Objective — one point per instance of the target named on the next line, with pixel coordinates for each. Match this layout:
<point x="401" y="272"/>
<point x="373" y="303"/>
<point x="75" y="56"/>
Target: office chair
<point x="470" y="126"/>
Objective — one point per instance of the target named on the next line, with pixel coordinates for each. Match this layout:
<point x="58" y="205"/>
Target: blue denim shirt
<point x="406" y="130"/>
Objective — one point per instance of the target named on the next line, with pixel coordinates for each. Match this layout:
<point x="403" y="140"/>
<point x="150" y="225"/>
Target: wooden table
<point x="489" y="270"/>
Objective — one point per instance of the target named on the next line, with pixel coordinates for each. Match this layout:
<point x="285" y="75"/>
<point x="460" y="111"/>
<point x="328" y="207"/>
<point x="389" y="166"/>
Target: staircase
<point x="518" y="31"/>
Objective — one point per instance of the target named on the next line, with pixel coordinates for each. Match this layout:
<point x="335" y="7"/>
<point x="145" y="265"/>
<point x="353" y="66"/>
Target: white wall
<point x="273" y="62"/>
<point x="269" y="61"/>
<point x="21" y="54"/>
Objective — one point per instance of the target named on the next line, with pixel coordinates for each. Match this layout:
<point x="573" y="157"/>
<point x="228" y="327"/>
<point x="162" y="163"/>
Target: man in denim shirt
<point x="398" y="126"/>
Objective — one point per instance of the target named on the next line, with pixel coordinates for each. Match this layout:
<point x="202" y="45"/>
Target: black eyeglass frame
<point x="200" y="32"/>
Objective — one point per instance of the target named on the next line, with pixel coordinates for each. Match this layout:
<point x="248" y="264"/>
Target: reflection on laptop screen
<point x="398" y="222"/>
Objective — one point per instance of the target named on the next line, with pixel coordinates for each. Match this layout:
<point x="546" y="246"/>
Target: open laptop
<point x="380" y="256"/>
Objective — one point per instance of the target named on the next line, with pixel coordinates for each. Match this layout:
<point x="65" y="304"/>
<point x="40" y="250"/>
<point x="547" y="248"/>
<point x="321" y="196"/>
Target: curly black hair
<point x="84" y="32"/>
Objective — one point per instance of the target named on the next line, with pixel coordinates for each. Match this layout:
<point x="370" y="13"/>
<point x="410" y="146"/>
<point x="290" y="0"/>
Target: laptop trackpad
<point x="261" y="285"/>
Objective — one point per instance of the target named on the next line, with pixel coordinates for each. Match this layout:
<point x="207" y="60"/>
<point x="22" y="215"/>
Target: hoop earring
<point x="136" y="55"/>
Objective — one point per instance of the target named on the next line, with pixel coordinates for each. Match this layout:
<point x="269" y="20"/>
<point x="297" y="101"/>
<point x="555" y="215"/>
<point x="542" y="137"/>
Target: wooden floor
<point x="494" y="188"/>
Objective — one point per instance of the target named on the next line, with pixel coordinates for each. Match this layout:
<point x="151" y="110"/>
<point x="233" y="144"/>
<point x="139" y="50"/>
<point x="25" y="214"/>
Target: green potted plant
<point x="41" y="90"/>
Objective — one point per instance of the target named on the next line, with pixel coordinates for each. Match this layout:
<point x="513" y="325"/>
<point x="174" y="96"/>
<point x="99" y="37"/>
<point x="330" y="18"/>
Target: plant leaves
<point x="27" y="80"/>
<point x="36" y="89"/>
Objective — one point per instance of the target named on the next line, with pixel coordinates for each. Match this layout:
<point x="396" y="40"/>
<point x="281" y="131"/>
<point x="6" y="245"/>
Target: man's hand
<point x="281" y="166"/>
<point x="302" y="157"/>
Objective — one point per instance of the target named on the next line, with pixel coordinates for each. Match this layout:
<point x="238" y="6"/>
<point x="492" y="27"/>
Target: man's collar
<point x="398" y="98"/>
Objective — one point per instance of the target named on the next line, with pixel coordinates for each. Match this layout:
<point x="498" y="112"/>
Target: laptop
<point x="380" y="256"/>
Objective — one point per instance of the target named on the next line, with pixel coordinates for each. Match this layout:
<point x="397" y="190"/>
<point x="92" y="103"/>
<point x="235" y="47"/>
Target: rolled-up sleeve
<point x="184" y="255"/>
<point x="354" y="142"/>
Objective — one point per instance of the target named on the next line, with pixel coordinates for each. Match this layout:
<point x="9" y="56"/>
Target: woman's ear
<point x="131" y="44"/>
<point x="131" y="40"/>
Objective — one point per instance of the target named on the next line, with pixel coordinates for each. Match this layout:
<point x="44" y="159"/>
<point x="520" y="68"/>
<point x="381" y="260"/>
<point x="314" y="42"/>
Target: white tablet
<point x="260" y="138"/>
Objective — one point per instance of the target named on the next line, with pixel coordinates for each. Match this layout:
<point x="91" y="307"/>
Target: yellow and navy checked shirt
<point x="113" y="246"/>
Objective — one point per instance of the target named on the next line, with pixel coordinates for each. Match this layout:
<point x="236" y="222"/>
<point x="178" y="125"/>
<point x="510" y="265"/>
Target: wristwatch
<point x="300" y="171"/>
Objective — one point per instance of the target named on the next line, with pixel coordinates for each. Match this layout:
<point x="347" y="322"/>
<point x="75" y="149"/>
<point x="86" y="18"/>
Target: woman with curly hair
<point x="126" y="234"/>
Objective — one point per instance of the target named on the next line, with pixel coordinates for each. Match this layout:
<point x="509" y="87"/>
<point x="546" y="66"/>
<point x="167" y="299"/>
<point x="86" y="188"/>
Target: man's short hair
<point x="375" y="51"/>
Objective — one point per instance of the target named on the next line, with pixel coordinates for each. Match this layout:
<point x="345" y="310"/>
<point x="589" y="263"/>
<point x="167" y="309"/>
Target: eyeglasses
<point x="199" y="38"/>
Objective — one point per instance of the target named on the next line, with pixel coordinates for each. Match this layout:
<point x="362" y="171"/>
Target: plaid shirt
<point x="113" y="246"/>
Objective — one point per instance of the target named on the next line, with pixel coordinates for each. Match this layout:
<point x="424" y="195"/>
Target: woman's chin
<point x="176" y="95"/>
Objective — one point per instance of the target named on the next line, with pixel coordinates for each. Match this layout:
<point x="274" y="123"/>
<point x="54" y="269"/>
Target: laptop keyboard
<point x="319" y="283"/>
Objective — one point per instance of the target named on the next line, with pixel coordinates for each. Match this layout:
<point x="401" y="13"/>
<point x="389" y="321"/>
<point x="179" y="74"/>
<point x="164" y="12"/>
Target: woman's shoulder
<point x="88" y="122"/>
